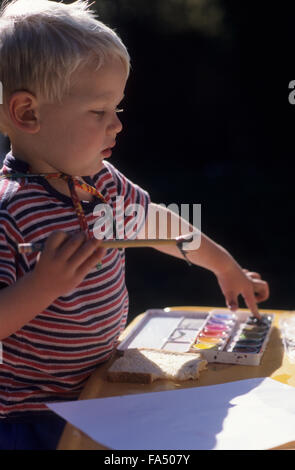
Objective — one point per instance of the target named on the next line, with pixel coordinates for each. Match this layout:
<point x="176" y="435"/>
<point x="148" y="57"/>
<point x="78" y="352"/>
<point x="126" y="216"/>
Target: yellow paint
<point x="204" y="346"/>
<point x="209" y="339"/>
<point x="282" y="378"/>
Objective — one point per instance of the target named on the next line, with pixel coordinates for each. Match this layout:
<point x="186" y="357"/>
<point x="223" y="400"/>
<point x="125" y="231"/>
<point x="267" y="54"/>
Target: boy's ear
<point x="24" y="112"/>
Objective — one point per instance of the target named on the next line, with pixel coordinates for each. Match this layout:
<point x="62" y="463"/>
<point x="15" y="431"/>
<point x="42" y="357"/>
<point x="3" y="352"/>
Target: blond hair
<point x="43" y="42"/>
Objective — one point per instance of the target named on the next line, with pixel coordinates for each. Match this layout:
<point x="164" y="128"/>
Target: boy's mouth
<point x="107" y="152"/>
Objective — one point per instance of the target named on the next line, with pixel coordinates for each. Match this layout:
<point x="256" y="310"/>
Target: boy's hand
<point x="65" y="261"/>
<point x="236" y="281"/>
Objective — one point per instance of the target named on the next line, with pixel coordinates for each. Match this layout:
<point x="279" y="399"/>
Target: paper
<point x="248" y="414"/>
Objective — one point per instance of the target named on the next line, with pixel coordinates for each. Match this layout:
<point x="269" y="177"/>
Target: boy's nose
<point x="115" y="126"/>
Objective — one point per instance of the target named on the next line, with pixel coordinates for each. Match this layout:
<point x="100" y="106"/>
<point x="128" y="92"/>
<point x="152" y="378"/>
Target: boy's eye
<point x="99" y="113"/>
<point x="102" y="113"/>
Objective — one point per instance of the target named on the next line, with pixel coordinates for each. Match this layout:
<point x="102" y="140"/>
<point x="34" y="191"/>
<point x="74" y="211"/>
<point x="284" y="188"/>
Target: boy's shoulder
<point x="10" y="189"/>
<point x="109" y="178"/>
<point x="117" y="184"/>
<point x="108" y="170"/>
<point x="117" y="178"/>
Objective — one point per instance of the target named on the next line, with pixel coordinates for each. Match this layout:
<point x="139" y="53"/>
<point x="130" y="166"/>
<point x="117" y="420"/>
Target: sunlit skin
<point x="71" y="136"/>
<point x="74" y="137"/>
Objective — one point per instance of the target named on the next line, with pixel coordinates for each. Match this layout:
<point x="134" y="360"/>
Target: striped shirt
<point x="50" y="358"/>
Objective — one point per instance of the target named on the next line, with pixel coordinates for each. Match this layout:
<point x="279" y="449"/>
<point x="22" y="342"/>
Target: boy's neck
<point x="36" y="165"/>
<point x="39" y="166"/>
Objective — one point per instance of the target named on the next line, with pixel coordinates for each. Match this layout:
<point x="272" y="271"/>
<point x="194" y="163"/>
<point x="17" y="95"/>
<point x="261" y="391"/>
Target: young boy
<point x="63" y="75"/>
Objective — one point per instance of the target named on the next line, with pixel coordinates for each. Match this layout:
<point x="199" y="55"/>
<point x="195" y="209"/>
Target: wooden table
<point x="274" y="364"/>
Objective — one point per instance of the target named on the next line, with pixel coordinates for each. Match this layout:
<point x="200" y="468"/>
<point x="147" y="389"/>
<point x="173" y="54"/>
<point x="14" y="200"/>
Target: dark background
<point x="207" y="120"/>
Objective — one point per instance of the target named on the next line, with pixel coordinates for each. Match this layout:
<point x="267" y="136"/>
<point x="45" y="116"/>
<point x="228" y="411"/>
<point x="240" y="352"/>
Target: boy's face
<point x="75" y="136"/>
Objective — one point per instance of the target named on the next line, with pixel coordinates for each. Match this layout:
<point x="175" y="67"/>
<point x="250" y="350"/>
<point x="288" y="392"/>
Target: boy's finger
<point x="55" y="239"/>
<point x="231" y="301"/>
<point x="92" y="261"/>
<point x="260" y="297"/>
<point x="71" y="245"/>
<point x="251" y="304"/>
<point x="261" y="291"/>
<point x="86" y="250"/>
<point x="253" y="275"/>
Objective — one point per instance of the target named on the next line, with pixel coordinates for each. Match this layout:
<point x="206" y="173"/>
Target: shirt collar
<point x="14" y="164"/>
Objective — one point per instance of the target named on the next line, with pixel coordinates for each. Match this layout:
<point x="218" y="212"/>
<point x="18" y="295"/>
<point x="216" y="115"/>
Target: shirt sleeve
<point x="8" y="247"/>
<point x="131" y="205"/>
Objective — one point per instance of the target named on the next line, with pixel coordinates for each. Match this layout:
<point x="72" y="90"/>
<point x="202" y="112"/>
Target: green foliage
<point x="170" y="16"/>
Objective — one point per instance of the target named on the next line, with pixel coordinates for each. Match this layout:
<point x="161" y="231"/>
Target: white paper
<point x="247" y="414"/>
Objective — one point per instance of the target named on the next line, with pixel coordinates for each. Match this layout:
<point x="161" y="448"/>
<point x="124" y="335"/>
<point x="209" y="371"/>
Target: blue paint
<point x="220" y="321"/>
<point x="223" y="316"/>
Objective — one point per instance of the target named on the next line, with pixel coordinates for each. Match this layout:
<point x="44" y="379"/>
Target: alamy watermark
<point x="163" y="222"/>
<point x="291" y="96"/>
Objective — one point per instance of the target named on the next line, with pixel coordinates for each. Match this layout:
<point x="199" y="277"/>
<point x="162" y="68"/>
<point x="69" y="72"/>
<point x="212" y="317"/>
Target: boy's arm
<point x="232" y="279"/>
<point x="62" y="265"/>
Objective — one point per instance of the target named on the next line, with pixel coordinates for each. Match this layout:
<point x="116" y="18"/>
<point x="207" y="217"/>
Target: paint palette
<point x="220" y="335"/>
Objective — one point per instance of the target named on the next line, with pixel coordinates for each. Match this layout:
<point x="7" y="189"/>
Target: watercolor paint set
<point x="220" y="335"/>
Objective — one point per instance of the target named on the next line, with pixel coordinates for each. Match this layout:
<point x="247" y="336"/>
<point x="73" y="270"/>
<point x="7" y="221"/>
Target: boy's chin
<point x="91" y="169"/>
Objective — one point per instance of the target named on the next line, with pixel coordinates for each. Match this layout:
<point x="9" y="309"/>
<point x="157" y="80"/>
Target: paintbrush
<point x="26" y="248"/>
